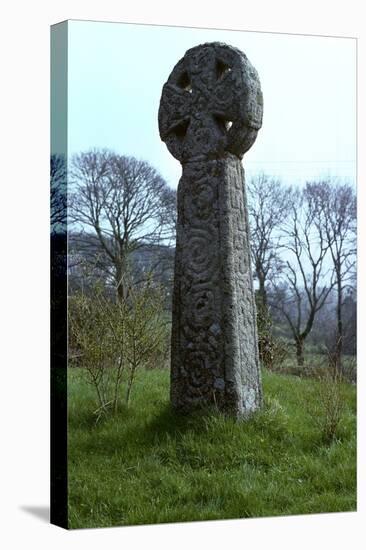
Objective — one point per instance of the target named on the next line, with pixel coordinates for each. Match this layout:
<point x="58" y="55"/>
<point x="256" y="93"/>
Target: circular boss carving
<point x="211" y="104"/>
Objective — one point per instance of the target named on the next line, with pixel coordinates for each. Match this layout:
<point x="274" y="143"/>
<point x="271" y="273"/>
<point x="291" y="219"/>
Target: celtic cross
<point x="209" y="116"/>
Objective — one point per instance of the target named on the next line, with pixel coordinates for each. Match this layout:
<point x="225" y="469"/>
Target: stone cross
<point x="209" y="116"/>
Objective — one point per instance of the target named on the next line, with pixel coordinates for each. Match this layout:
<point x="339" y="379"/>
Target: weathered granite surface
<point x="209" y="116"/>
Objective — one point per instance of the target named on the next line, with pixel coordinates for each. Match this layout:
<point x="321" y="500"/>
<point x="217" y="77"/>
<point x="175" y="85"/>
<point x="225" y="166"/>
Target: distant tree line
<point x="120" y="210"/>
<point x="304" y="258"/>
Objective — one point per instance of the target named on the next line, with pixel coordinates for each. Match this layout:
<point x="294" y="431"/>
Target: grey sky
<point x="116" y="73"/>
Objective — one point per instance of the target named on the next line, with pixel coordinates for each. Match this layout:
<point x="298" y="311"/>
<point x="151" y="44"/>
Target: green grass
<point x="148" y="465"/>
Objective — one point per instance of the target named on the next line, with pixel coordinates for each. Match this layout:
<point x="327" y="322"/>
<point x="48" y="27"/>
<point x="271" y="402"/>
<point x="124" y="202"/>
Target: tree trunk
<point x="122" y="272"/>
<point x="129" y="388"/>
<point x="121" y="286"/>
<point x="300" y="352"/>
<point x="262" y="293"/>
<point x="120" y="291"/>
<point x="339" y="334"/>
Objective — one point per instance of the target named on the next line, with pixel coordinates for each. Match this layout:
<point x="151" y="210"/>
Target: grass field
<point x="147" y="465"/>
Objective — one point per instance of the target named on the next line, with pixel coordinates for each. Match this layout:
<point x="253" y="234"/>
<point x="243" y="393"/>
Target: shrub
<point x="112" y="339"/>
<point x="96" y="344"/>
<point x="145" y="331"/>
<point x="272" y="419"/>
<point x="328" y="412"/>
<point x="272" y="351"/>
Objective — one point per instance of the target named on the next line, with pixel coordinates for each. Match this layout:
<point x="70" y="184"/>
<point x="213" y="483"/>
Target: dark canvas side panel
<point x="58" y="166"/>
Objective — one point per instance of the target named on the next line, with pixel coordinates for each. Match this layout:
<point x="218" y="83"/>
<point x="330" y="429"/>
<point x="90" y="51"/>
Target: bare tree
<point x="305" y="281"/>
<point x="335" y="204"/>
<point x="269" y="204"/>
<point x="125" y="203"/>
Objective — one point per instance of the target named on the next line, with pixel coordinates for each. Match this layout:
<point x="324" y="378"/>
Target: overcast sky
<point x="116" y="73"/>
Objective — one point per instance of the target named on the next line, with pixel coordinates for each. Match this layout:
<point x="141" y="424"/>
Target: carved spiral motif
<point x="201" y="308"/>
<point x="212" y="104"/>
<point x="200" y="374"/>
<point x="199" y="255"/>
